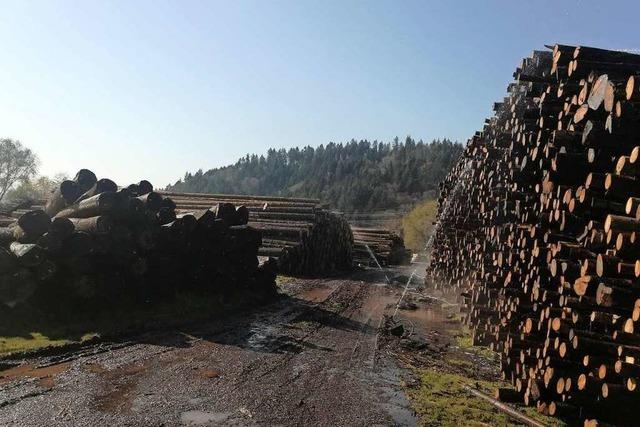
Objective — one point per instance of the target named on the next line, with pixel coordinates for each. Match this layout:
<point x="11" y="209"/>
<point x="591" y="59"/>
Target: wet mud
<point x="314" y="357"/>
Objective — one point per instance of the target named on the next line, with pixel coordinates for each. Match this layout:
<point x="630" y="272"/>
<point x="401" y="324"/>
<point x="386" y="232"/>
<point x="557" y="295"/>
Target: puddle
<point x="95" y="368"/>
<point x="316" y="294"/>
<point x="120" y="386"/>
<point x="374" y="307"/>
<point x="118" y="399"/>
<point x="395" y="400"/>
<point x="267" y="339"/>
<point x="259" y="337"/>
<point x="430" y="317"/>
<point x="266" y="335"/>
<point x="46" y="375"/>
<point x="197" y="418"/>
<point x="210" y="373"/>
<point x="428" y="322"/>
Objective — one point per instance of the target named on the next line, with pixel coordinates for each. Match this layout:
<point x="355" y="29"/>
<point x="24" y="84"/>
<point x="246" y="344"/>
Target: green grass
<point x="440" y="397"/>
<point x="416" y="225"/>
<point x="548" y="421"/>
<point x="461" y="364"/>
<point x="441" y="400"/>
<point x="284" y="280"/>
<point x="465" y="342"/>
<point x="31" y="329"/>
<point x="34" y="341"/>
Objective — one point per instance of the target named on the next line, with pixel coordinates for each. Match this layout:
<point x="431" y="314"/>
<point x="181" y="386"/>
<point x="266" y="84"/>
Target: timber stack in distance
<point x="539" y="230"/>
<point x="386" y="245"/>
<point x="301" y="234"/>
<point x="94" y="245"/>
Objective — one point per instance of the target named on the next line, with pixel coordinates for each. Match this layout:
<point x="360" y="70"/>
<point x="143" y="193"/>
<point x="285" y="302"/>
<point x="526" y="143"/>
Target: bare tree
<point x="17" y="163"/>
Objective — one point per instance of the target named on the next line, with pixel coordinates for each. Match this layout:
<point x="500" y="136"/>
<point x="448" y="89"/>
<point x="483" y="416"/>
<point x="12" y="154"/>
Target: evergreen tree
<point x="356" y="176"/>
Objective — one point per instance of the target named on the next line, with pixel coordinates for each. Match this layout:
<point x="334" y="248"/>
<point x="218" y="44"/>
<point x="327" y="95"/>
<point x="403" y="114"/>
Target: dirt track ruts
<point x="308" y="359"/>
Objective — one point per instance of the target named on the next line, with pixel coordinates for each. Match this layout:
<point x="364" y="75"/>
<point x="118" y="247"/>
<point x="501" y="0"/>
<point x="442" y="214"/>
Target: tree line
<point x="18" y="167"/>
<point x="357" y="176"/>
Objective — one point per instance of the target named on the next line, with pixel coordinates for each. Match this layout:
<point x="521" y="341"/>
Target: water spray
<point x="447" y="205"/>
<point x="404" y="292"/>
<point x="379" y="266"/>
<point x="445" y="210"/>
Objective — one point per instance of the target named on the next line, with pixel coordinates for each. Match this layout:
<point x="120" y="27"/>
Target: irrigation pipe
<point x="516" y="415"/>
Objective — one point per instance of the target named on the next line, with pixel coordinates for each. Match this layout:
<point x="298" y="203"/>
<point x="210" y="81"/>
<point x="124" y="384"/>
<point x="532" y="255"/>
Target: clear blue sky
<point x="136" y="89"/>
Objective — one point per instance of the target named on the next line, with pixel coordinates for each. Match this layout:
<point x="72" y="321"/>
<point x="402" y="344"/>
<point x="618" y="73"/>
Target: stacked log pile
<point x="375" y="219"/>
<point x="539" y="229"/>
<point x="94" y="241"/>
<point x="387" y="247"/>
<point x="304" y="236"/>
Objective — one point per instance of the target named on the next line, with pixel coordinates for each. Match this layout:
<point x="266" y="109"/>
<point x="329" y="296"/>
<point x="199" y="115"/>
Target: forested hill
<point x="356" y="176"/>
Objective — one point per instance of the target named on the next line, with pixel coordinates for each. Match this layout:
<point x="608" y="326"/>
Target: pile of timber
<point x="379" y="219"/>
<point x="387" y="246"/>
<point x="301" y="234"/>
<point x="539" y="229"/>
<point x="7" y="216"/>
<point x="95" y="242"/>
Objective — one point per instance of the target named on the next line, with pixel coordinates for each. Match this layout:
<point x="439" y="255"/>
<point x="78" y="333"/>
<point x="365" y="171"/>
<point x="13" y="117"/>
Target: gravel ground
<point x="311" y="358"/>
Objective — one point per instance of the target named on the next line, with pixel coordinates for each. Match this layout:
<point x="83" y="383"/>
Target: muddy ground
<point x="314" y="357"/>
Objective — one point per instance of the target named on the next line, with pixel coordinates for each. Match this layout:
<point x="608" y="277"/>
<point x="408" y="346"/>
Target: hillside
<point x="354" y="177"/>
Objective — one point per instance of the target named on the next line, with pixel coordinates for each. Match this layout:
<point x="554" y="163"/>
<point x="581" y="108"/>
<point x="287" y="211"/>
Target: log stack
<point x="303" y="235"/>
<point x="93" y="241"/>
<point x="387" y="247"/>
<point x="539" y="231"/>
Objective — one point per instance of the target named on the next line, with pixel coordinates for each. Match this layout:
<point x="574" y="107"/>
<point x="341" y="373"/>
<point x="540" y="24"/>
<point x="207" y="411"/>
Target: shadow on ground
<point x="274" y="328"/>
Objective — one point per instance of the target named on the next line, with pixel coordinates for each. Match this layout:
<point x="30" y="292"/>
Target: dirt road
<point x="310" y="358"/>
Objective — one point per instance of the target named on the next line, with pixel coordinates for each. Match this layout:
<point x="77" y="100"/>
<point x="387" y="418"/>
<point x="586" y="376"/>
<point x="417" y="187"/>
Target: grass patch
<point x="462" y="364"/>
<point x="284" y="280"/>
<point x="416" y="225"/>
<point x="465" y="342"/>
<point x="548" y="421"/>
<point x="30" y="328"/>
<point x="35" y="340"/>
<point x="441" y="400"/>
